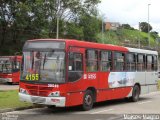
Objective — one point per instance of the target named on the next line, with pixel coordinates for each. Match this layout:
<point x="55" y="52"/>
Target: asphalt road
<point x="5" y="86"/>
<point x="110" y="110"/>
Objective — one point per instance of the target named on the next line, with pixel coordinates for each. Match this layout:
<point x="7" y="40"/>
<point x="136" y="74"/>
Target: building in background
<point x="112" y="25"/>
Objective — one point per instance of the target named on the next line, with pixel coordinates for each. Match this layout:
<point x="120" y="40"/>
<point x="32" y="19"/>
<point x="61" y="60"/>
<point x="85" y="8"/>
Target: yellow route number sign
<point x="32" y="77"/>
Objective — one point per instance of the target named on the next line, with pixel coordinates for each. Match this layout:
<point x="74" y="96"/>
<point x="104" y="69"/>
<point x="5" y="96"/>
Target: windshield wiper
<point x="32" y="60"/>
<point x="44" y="61"/>
<point x="6" y="66"/>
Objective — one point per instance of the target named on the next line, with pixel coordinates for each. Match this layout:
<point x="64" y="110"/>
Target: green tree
<point x="27" y="19"/>
<point x="144" y="27"/>
<point x="74" y="31"/>
<point x="6" y="18"/>
<point x="91" y="26"/>
<point x="127" y="26"/>
<point x="154" y="34"/>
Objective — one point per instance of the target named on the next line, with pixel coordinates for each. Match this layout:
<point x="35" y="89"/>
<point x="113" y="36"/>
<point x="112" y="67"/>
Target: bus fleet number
<point x="91" y="76"/>
<point x="32" y="77"/>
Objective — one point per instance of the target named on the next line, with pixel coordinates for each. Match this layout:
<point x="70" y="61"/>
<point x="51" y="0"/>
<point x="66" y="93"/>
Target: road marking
<point x="116" y="118"/>
<point x="101" y="111"/>
<point x="144" y="102"/>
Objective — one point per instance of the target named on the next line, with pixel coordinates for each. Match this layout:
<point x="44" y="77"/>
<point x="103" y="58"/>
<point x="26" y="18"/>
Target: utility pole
<point x="139" y="43"/>
<point x="102" y="30"/>
<point x="148" y="28"/>
<point x="58" y="5"/>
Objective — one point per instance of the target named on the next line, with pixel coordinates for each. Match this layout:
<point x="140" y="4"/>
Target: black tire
<point x="88" y="100"/>
<point x="50" y="106"/>
<point x="10" y="83"/>
<point x="135" y="93"/>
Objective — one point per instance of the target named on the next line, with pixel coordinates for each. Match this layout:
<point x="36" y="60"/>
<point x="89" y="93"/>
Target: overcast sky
<point x="131" y="12"/>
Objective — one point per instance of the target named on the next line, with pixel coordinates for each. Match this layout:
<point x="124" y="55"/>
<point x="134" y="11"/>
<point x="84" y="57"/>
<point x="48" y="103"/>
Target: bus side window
<point x="131" y="62"/>
<point x="16" y="66"/>
<point x="154" y="63"/>
<point x="75" y="68"/>
<point x="91" y="60"/>
<point x="119" y="61"/>
<point x="141" y="62"/>
<point x="106" y="60"/>
<point x="149" y="62"/>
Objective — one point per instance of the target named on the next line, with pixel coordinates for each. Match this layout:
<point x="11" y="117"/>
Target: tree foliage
<point x="144" y="27"/>
<point x="154" y="34"/>
<point x="127" y="26"/>
<point x="27" y="19"/>
<point x="91" y="26"/>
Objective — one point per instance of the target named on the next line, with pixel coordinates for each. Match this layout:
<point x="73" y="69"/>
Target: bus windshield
<point x="43" y="66"/>
<point x="5" y="66"/>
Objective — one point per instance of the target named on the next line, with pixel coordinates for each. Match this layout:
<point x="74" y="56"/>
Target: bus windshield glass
<point x="43" y="66"/>
<point x="5" y="66"/>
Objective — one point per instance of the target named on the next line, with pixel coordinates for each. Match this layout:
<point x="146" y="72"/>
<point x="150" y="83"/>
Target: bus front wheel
<point x="88" y="100"/>
<point x="50" y="106"/>
<point x="135" y="93"/>
<point x="10" y="83"/>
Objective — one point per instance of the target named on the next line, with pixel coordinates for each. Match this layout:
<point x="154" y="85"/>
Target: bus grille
<point x="37" y="90"/>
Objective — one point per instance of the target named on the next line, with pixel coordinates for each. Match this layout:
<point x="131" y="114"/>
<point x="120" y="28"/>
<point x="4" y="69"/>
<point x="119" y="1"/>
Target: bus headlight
<point x="21" y="90"/>
<point x="54" y="94"/>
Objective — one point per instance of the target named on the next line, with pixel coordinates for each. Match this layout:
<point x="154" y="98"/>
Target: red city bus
<point x="66" y="73"/>
<point x="10" y="69"/>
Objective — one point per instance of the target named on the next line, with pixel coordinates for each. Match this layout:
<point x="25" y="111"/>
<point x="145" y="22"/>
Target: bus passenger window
<point x="75" y="67"/>
<point x="131" y="62"/>
<point x="119" y="61"/>
<point x="16" y="66"/>
<point x="154" y="63"/>
<point x="149" y="63"/>
<point x="92" y="60"/>
<point x="140" y="62"/>
<point x="106" y="60"/>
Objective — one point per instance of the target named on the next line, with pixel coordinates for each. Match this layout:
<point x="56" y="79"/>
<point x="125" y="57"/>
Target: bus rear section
<point x="65" y="73"/>
<point x="10" y="69"/>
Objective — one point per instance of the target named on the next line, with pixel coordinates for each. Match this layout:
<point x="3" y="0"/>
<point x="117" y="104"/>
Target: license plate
<point x="38" y="99"/>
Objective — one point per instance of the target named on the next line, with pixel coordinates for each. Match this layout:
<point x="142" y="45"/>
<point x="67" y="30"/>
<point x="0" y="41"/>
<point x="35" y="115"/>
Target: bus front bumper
<point x="57" y="101"/>
<point x="6" y="79"/>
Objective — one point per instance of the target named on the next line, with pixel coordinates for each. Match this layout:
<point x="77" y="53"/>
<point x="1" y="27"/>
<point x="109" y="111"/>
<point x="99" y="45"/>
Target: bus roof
<point x="137" y="50"/>
<point x="85" y="44"/>
<point x="92" y="45"/>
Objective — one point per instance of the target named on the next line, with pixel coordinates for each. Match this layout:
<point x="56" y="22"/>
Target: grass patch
<point x="158" y="84"/>
<point x="10" y="99"/>
<point x="121" y="35"/>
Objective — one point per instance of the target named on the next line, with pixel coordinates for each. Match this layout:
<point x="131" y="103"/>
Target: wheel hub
<point x="88" y="100"/>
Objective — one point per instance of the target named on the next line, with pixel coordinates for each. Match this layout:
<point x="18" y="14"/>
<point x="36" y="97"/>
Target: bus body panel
<point x="16" y="77"/>
<point x="5" y="77"/>
<point x="147" y="79"/>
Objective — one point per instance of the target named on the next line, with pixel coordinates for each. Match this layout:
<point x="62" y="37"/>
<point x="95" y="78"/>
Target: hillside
<point x="126" y="37"/>
<point x="123" y="37"/>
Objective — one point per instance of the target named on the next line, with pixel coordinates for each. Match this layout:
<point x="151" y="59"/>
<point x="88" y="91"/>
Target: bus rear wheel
<point x="135" y="93"/>
<point x="88" y="100"/>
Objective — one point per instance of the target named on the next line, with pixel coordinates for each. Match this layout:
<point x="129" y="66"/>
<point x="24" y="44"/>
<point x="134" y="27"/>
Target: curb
<point x="6" y="110"/>
<point x="19" y="108"/>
